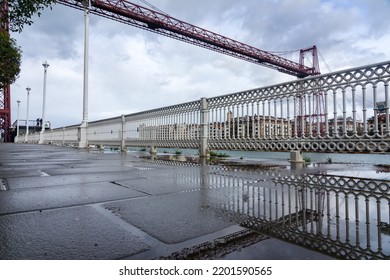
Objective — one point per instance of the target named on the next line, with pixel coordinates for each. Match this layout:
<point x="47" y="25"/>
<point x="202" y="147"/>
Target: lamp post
<point x="28" y="102"/>
<point x="45" y="66"/>
<point x="84" y="124"/>
<point x="17" y="123"/>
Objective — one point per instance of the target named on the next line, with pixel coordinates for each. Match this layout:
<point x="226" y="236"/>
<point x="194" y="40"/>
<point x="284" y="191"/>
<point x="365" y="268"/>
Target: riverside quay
<point x="69" y="203"/>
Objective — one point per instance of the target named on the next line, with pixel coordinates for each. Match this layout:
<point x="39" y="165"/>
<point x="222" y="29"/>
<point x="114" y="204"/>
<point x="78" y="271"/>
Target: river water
<point x="283" y="156"/>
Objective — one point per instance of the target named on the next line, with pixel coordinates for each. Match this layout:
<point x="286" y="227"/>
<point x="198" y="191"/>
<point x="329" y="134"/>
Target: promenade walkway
<point x="67" y="203"/>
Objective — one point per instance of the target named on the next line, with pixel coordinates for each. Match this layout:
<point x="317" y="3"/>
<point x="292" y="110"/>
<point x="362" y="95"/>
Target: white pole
<point x="17" y="123"/>
<point x="86" y="54"/>
<point x="28" y="102"/>
<point x="84" y="124"/>
<point x="45" y="66"/>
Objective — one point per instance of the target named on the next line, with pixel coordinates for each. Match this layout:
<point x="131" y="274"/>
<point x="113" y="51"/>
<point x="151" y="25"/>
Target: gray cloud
<point x="133" y="70"/>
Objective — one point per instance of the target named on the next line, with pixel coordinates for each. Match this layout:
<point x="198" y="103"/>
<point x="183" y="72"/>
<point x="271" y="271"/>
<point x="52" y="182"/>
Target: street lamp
<point x="28" y="102"/>
<point x="84" y="124"/>
<point x="87" y="7"/>
<point x="17" y="123"/>
<point x="45" y="66"/>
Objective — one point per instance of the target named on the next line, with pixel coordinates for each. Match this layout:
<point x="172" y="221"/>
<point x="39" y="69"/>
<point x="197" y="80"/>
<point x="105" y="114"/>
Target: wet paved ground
<point x="66" y="203"/>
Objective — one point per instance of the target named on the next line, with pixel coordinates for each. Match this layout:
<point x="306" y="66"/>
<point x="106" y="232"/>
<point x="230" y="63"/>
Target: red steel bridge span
<point x="135" y="15"/>
<point x="132" y="14"/>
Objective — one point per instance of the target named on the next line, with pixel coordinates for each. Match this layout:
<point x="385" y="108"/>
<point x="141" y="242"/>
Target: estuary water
<point x="283" y="156"/>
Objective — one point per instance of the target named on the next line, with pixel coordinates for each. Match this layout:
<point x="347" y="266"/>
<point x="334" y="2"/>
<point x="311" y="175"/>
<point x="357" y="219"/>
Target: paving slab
<point x="60" y="234"/>
<point x="35" y="199"/>
<point x="160" y="182"/>
<point x="69" y="179"/>
<point x="171" y="218"/>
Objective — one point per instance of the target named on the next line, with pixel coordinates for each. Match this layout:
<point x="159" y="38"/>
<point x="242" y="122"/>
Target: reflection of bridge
<point x="344" y="217"/>
<point x="356" y="118"/>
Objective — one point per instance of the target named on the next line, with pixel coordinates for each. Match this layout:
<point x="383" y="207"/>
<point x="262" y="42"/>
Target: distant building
<point x="349" y="126"/>
<point x="260" y="127"/>
<point x="382" y="126"/>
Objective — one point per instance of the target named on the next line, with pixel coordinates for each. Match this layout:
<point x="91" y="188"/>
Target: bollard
<point x="123" y="136"/>
<point x="296" y="157"/>
<point x="153" y="150"/>
<point x="296" y="160"/>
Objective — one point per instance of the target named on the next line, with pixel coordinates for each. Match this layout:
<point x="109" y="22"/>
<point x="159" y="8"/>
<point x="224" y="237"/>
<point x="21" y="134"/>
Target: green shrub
<point x="307" y="159"/>
<point x="216" y="154"/>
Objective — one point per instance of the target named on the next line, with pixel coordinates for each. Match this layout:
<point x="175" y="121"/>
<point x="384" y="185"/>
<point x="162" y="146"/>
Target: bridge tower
<point x="309" y="110"/>
<point x="5" y="98"/>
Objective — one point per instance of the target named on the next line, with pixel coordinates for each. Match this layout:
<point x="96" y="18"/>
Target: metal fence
<point x="346" y="111"/>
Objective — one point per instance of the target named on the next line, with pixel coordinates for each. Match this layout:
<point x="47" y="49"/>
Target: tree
<point x="20" y="12"/>
<point x="10" y="59"/>
<point x="15" y="14"/>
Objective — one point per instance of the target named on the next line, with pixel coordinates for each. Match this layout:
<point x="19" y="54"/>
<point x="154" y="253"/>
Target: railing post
<point x="63" y="136"/>
<point x="153" y="150"/>
<point x="123" y="138"/>
<point x="41" y="138"/>
<point x="83" y="138"/>
<point x="204" y="120"/>
<point x="83" y="129"/>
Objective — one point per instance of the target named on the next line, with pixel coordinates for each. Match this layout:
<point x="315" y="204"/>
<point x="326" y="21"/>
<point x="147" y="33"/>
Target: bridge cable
<point x="324" y="61"/>
<point x="153" y="7"/>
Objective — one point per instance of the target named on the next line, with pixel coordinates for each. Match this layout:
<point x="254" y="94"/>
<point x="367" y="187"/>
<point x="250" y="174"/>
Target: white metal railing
<point x="341" y="111"/>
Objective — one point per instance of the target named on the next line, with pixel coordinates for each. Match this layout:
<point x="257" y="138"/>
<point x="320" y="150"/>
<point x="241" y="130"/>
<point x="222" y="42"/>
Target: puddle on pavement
<point x="231" y="164"/>
<point x="364" y="174"/>
<point x="218" y="247"/>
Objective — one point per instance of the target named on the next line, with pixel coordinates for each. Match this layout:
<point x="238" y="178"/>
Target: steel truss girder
<point x="144" y="18"/>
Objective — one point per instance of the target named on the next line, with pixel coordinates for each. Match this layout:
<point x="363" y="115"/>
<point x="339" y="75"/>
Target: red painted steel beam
<point x="141" y="17"/>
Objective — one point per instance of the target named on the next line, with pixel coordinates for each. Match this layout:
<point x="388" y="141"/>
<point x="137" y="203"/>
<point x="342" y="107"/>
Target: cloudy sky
<point x="132" y="70"/>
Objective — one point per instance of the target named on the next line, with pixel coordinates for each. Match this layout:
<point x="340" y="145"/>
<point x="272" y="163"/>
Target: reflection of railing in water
<point x="340" y="216"/>
<point x="345" y="217"/>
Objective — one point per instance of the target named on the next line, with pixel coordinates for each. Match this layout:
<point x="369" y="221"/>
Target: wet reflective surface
<point x="73" y="233"/>
<point x="63" y="203"/>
